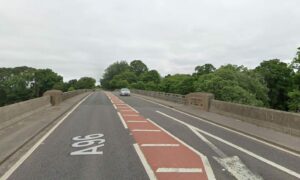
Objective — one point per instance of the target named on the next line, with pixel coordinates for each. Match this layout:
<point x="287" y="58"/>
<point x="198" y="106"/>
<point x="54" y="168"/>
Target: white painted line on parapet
<point x="206" y="164"/>
<point x="228" y="129"/>
<point x="179" y="170"/>
<point x="146" y="130"/>
<point x="147" y="167"/>
<point x="271" y="163"/>
<point x="36" y="145"/>
<point x="122" y="120"/>
<point x="159" y="145"/>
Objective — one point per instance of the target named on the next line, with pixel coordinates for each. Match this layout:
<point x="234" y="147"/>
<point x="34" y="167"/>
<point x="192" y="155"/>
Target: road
<point x="112" y="137"/>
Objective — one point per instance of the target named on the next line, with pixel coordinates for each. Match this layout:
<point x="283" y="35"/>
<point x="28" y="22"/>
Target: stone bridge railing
<point x="21" y="109"/>
<point x="282" y="121"/>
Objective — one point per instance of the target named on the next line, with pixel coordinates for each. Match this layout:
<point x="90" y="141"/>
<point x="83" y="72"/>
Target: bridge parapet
<point x="286" y="122"/>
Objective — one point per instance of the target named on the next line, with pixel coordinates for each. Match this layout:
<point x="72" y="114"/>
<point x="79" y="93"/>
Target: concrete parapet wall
<point x="281" y="121"/>
<point x="200" y="100"/>
<point x="14" y="110"/>
<point x="67" y="95"/>
<point x="22" y="109"/>
<point x="278" y="120"/>
<point x="178" y="98"/>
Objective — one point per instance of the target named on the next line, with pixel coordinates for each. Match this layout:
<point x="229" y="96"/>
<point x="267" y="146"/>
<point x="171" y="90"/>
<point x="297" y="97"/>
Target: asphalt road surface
<point x="111" y="137"/>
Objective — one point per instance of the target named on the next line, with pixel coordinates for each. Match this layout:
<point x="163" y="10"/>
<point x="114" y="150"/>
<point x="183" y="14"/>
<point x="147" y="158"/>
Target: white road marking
<point x="122" y="120"/>
<point x="206" y="164"/>
<point x="271" y="163"/>
<point x="115" y="106"/>
<point x="210" y="144"/>
<point x="137" y="121"/>
<point x="237" y="168"/>
<point x="147" y="167"/>
<point x="36" y="145"/>
<point x="133" y="109"/>
<point x="228" y="129"/>
<point x="179" y="170"/>
<point x="159" y="145"/>
<point x="146" y="130"/>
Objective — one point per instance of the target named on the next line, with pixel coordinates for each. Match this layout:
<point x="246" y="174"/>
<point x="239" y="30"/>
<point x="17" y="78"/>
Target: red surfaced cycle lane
<point x="167" y="156"/>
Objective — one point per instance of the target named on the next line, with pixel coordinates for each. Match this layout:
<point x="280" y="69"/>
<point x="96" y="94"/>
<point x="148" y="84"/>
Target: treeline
<point x="23" y="83"/>
<point x="273" y="84"/>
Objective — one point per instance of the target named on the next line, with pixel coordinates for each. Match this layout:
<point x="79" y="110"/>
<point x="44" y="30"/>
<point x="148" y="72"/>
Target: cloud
<point x="81" y="38"/>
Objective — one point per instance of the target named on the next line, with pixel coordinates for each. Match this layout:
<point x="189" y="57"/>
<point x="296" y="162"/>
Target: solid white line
<point x="122" y="120"/>
<point x="228" y="129"/>
<point x="115" y="106"/>
<point x="179" y="170"/>
<point x="36" y="145"/>
<point x="133" y="109"/>
<point x="210" y="144"/>
<point x="137" y="121"/>
<point x="271" y="163"/>
<point x="159" y="145"/>
<point x="206" y="164"/>
<point x="146" y="130"/>
<point x="147" y="167"/>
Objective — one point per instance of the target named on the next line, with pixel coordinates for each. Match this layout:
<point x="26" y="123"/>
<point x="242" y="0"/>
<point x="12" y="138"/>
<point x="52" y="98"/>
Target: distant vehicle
<point x="124" y="92"/>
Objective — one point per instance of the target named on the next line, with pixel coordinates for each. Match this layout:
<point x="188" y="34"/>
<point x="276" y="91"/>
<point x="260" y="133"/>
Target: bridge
<point x="149" y="135"/>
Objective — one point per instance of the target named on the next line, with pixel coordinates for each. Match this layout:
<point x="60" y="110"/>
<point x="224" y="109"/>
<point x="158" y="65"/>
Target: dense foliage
<point x="23" y="83"/>
<point x="273" y="83"/>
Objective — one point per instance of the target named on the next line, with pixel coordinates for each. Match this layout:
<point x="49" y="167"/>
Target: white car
<point x="124" y="92"/>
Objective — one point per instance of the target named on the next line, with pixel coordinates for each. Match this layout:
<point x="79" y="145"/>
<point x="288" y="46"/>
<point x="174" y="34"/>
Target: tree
<point x="149" y="76"/>
<point x="294" y="94"/>
<point x="114" y="69"/>
<point x="235" y="84"/>
<point x="86" y="83"/>
<point x="294" y="101"/>
<point x="278" y="77"/>
<point x="178" y="83"/>
<point x="138" y="67"/>
<point x="296" y="61"/>
<point x="45" y="79"/>
<point x="205" y="69"/>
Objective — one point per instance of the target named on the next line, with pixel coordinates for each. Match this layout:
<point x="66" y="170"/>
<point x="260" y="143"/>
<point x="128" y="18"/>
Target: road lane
<point x="96" y="115"/>
<point x="161" y="160"/>
<point x="126" y="138"/>
<point x="268" y="172"/>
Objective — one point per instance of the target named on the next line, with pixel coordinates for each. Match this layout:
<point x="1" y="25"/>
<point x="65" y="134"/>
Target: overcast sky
<point x="79" y="38"/>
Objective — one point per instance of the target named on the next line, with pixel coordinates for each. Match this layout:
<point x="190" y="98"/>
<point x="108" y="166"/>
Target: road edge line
<point x="12" y="169"/>
<point x="147" y="167"/>
<point x="249" y="136"/>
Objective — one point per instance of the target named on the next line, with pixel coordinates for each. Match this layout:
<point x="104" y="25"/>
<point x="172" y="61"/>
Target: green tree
<point x="205" y="69"/>
<point x="178" y="83"/>
<point x="278" y="77"/>
<point x="233" y="83"/>
<point x="151" y="75"/>
<point x="112" y="70"/>
<point x="45" y="79"/>
<point x="86" y="83"/>
<point x="138" y="67"/>
<point x="294" y="101"/>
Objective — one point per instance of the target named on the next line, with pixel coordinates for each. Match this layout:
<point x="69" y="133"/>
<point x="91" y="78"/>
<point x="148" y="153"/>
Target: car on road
<point x="124" y="92"/>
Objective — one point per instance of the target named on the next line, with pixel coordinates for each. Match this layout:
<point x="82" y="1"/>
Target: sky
<point x="77" y="38"/>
